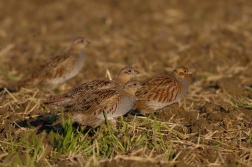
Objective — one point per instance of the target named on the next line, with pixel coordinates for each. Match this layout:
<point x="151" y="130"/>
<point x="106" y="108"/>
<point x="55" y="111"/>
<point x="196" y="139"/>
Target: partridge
<point x="68" y="99"/>
<point x="161" y="91"/>
<point x="115" y="102"/>
<point x="59" y="68"/>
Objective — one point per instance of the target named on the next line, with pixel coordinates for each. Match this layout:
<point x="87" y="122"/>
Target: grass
<point x="135" y="138"/>
<point x="243" y="102"/>
<point x="144" y="139"/>
<point x="210" y="127"/>
<point x="29" y="149"/>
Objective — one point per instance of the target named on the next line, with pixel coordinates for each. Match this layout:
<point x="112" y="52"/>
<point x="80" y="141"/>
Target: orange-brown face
<point x="132" y="86"/>
<point x="183" y="72"/>
<point x="126" y="74"/>
<point x="80" y="43"/>
<point x="129" y="71"/>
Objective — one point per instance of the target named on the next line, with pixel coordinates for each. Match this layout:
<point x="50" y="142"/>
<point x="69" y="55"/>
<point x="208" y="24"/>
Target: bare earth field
<point x="211" y="126"/>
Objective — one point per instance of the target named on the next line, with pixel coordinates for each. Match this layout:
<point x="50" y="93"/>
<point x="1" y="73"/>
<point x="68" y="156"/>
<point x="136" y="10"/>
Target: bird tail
<point x="141" y="108"/>
<point x="23" y="82"/>
<point x="61" y="100"/>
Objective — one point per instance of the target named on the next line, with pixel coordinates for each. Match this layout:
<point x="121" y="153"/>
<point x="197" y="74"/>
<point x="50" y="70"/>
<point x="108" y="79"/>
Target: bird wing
<point x="95" y="85"/>
<point x="48" y="69"/>
<point x="56" y="66"/>
<point x="69" y="98"/>
<point x="98" y="101"/>
<point x="158" y="88"/>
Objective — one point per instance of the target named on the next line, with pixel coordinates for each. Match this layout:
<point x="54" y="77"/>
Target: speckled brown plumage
<point x="57" y="69"/>
<point x="115" y="102"/>
<point x="68" y="99"/>
<point x="161" y="91"/>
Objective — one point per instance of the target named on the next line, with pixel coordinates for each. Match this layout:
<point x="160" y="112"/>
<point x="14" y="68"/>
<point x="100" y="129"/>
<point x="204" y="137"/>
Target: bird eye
<point x="185" y="71"/>
<point x="81" y="41"/>
<point x="129" y="70"/>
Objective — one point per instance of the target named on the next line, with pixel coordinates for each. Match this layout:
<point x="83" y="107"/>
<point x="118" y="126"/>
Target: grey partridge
<point x="160" y="91"/>
<point x="68" y="99"/>
<point x="59" y="68"/>
<point x="115" y="102"/>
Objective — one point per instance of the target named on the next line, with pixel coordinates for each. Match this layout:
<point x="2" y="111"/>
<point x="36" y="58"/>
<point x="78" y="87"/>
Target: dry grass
<point x="211" y="126"/>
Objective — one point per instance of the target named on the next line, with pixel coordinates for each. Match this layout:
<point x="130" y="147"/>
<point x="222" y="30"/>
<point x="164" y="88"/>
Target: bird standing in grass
<point x="68" y="99"/>
<point x="161" y="91"/>
<point x="115" y="102"/>
<point x="59" y="68"/>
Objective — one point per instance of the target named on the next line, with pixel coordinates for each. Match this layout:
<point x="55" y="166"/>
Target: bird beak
<point x="139" y="86"/>
<point x="137" y="72"/>
<point x="189" y="72"/>
<point x="88" y="42"/>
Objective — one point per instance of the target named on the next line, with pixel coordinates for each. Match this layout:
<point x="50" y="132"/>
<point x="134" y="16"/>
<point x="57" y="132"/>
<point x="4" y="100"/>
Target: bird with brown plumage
<point x="160" y="91"/>
<point x="115" y="102"/>
<point x="57" y="69"/>
<point x="69" y="98"/>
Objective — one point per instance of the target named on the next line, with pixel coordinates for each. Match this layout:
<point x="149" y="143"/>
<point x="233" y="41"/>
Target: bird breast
<point x="183" y="89"/>
<point x="79" y="62"/>
<point x="122" y="106"/>
<point x="69" y="69"/>
<point x="169" y="95"/>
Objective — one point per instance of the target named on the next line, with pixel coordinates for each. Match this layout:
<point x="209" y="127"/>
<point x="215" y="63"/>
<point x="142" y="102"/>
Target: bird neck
<point x="184" y="84"/>
<point x="130" y="92"/>
<point x="75" y="50"/>
<point x="122" y="79"/>
<point x="182" y="80"/>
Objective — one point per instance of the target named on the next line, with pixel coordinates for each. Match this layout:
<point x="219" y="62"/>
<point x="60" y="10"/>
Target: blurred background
<point x="212" y="38"/>
<point x="155" y="36"/>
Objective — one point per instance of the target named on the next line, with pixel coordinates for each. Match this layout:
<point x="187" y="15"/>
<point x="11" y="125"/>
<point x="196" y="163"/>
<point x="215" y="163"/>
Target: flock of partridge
<point x="89" y="101"/>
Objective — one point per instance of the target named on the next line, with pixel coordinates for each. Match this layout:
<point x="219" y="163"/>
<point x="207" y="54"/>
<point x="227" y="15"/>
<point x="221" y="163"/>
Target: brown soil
<point x="212" y="38"/>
